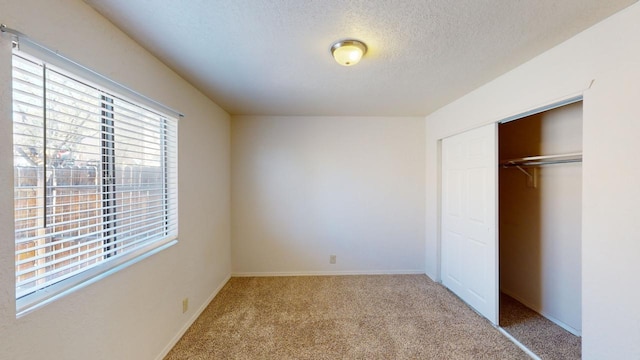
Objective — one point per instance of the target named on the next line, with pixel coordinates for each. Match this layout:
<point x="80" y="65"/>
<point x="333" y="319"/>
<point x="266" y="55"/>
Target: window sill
<point x="38" y="299"/>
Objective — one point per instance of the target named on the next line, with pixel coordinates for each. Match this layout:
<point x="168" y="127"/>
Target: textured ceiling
<point x="260" y="57"/>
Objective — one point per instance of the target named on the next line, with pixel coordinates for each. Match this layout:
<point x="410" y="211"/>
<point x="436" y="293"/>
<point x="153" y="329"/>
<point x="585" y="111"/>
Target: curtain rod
<point x="19" y="36"/>
<point x="4" y="28"/>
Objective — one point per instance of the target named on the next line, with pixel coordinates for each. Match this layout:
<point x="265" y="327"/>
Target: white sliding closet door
<point x="469" y="257"/>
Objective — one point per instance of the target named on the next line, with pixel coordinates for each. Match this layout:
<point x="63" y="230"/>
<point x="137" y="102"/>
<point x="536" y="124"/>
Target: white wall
<point x="304" y="188"/>
<point x="540" y="227"/>
<point x="135" y="313"/>
<point x="609" y="54"/>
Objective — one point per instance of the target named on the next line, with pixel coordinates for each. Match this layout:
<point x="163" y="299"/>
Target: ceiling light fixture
<point x="348" y="52"/>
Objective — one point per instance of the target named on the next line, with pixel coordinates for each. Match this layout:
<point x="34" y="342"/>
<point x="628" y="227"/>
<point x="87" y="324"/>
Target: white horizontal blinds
<point x="140" y="169"/>
<point x="29" y="193"/>
<point x="95" y="176"/>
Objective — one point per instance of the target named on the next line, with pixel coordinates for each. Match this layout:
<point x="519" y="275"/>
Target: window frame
<point x="34" y="300"/>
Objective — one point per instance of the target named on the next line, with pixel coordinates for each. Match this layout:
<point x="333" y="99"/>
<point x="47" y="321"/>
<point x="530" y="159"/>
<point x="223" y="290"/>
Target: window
<point x="95" y="178"/>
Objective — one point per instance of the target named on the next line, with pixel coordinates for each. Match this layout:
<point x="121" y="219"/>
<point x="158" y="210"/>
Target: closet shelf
<point x="542" y="160"/>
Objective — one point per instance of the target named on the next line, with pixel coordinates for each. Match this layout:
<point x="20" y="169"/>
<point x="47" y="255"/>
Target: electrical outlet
<point x="185" y="305"/>
<point x="332" y="259"/>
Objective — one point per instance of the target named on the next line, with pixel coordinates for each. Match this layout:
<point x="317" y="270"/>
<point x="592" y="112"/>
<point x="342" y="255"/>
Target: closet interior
<point x="540" y="201"/>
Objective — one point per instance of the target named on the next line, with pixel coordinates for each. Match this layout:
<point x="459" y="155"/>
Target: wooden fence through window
<point x="72" y="237"/>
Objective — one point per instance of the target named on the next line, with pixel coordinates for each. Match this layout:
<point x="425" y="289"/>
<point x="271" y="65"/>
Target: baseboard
<point x="328" y="273"/>
<point x="554" y="320"/>
<point x="193" y="318"/>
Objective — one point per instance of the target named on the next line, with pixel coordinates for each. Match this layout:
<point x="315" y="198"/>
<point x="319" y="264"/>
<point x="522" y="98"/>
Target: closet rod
<point x="543" y="160"/>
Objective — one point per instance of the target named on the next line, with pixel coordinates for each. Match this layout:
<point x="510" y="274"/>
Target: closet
<point x="540" y="201"/>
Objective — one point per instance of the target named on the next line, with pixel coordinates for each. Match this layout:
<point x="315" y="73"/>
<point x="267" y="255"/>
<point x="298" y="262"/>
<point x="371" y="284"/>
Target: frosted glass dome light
<point x="348" y="52"/>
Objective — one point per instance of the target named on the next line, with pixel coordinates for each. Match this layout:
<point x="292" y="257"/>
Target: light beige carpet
<point x="341" y="317"/>
<point x="544" y="338"/>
